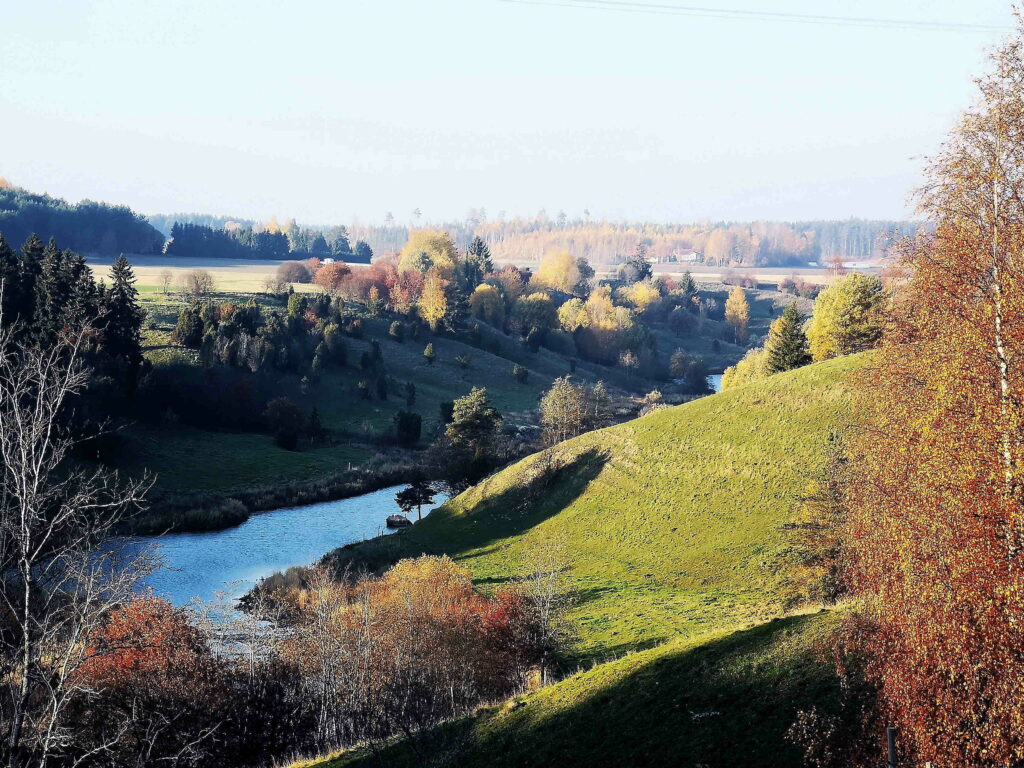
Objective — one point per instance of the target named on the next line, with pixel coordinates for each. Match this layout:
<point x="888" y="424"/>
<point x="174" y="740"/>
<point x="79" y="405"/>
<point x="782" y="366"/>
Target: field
<point x="230" y="276"/>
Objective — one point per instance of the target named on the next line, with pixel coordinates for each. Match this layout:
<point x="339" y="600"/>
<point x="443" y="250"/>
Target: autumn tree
<point x="753" y="366"/>
<point x="557" y="270"/>
<point x="487" y="304"/>
<point x="847" y="317"/>
<point x="331" y="277"/>
<point x="428" y="248"/>
<point x="510" y="282"/>
<point x="433" y="303"/>
<point x="566" y="410"/>
<point x="935" y="529"/>
<point x="737" y="313"/>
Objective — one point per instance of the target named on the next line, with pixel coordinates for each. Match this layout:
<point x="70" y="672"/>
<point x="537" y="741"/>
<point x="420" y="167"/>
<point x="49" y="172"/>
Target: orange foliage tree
<point x="397" y="653"/>
<point x="936" y="527"/>
<point x="330" y="277"/>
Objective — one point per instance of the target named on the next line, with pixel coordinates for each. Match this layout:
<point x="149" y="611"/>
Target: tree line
<point x="87" y="226"/>
<point x="267" y="243"/>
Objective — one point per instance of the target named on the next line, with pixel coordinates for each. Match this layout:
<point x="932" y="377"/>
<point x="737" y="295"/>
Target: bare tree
<point x="166" y="281"/>
<point x="197" y="284"/>
<point x="62" y="572"/>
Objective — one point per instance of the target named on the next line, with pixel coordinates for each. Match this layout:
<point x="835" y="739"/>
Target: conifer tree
<point x="50" y="294"/>
<point x="786" y="347"/>
<point x="30" y="268"/>
<point x="121" y="320"/>
<point x="10" y="284"/>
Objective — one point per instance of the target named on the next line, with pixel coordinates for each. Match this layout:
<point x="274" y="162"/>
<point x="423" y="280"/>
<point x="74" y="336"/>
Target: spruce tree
<point x="50" y="295"/>
<point x="786" y="347"/>
<point x="30" y="267"/>
<point x="121" y="320"/>
<point x="476" y="264"/>
<point x="10" y="284"/>
<point x="83" y="300"/>
<point x="458" y="307"/>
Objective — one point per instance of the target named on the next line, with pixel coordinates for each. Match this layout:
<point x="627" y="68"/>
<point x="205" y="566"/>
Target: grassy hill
<point x="671" y="529"/>
<point x="668" y="525"/>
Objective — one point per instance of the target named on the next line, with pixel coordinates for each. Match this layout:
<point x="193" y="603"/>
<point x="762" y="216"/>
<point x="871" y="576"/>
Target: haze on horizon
<point x="329" y="111"/>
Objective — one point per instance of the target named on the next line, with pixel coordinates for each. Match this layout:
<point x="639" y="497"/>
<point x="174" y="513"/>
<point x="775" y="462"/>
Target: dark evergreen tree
<point x="30" y="269"/>
<point x="121" y="317"/>
<point x="189" y="330"/>
<point x="471" y="270"/>
<point x="52" y="290"/>
<point x="458" y="307"/>
<point x="786" y="346"/>
<point x="363" y="253"/>
<point x="10" y="284"/>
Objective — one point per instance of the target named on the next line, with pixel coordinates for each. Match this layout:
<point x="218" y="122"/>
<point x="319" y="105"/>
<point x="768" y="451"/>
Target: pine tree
<point x="31" y="266"/>
<point x="83" y="301"/>
<point x="786" y="347"/>
<point x="10" y="284"/>
<point x="476" y="264"/>
<point x="457" y="307"/>
<point x="50" y="294"/>
<point x="121" y="319"/>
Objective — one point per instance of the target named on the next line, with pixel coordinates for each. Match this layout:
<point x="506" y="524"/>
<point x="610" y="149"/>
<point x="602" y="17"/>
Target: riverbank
<point x="217" y="567"/>
<point x="204" y="512"/>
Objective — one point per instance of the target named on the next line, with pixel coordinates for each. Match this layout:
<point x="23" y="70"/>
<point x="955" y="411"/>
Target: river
<point x="715" y="382"/>
<point x="233" y="560"/>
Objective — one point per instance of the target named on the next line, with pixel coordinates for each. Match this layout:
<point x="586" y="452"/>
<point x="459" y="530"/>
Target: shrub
<point x="293" y="272"/>
<point x="408" y="427"/>
<point x="397" y="331"/>
<point x="284" y="420"/>
<point x="429" y="354"/>
<point x="462" y="361"/>
<point x="520" y="374"/>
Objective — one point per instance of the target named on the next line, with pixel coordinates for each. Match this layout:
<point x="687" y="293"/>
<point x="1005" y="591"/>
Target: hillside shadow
<point x="550" y="487"/>
<point x="727" y="703"/>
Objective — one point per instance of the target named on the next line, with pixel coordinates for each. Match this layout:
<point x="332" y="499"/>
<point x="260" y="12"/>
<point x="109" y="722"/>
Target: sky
<point x="330" y="111"/>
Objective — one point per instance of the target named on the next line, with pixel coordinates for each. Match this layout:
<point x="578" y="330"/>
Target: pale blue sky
<point x="328" y="110"/>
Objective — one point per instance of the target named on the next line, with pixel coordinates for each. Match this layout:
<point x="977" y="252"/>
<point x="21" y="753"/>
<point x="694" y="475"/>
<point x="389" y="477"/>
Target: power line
<point x="665" y="9"/>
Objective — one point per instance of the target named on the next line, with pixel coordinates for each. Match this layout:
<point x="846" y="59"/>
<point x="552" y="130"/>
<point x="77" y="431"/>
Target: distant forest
<point x="779" y="244"/>
<point x="270" y="242"/>
<point x="91" y="227"/>
<point x="86" y="227"/>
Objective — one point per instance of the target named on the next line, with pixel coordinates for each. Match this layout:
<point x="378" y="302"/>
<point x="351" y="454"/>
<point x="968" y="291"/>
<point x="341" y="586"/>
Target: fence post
<point x="890" y="734"/>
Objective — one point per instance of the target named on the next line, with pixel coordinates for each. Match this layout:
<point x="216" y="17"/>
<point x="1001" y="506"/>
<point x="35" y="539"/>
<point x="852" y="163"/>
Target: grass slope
<point x="669" y="525"/>
<point x="673" y="529"/>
